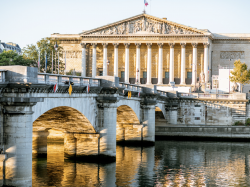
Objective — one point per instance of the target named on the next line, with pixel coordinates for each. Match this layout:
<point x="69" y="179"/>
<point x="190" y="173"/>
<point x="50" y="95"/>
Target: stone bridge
<point x="98" y="114"/>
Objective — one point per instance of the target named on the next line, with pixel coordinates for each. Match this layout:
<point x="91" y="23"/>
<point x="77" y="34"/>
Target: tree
<point x="46" y="45"/>
<point x="10" y="57"/>
<point x="240" y="73"/>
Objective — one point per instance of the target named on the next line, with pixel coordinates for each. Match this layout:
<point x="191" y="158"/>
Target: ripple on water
<point x="168" y="163"/>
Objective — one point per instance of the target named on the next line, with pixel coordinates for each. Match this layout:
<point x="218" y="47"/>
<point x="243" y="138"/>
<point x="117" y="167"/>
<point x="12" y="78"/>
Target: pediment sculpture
<point x="142" y="26"/>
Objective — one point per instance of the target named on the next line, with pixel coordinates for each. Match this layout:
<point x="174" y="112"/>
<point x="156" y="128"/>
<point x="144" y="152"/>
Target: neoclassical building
<point x="151" y="50"/>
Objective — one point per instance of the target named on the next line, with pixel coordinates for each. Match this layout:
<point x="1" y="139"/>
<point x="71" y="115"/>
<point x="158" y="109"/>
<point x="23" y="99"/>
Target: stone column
<point x="116" y="45"/>
<point x="127" y="62"/>
<point x="183" y="63"/>
<point x="94" y="59"/>
<point x="39" y="142"/>
<point x="149" y="63"/>
<point x="138" y="60"/>
<point x="194" y="65"/>
<point x="105" y="59"/>
<point x="171" y="68"/>
<point x="148" y="120"/>
<point x="107" y="126"/>
<point x="17" y="144"/>
<point x="160" y="65"/>
<point x="83" y="59"/>
<point x="69" y="145"/>
<point x="206" y="57"/>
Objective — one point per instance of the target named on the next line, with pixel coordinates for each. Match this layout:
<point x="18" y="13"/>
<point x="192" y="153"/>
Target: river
<point x="168" y="163"/>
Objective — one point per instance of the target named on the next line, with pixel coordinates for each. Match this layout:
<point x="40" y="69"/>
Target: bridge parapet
<point x="234" y="96"/>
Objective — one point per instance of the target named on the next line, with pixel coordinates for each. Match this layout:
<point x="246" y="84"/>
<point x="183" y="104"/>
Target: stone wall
<point x="204" y="131"/>
<point x="192" y="112"/>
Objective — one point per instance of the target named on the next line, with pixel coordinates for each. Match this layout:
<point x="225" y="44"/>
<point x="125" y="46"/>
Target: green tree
<point x="46" y="45"/>
<point x="240" y="73"/>
<point x="10" y="57"/>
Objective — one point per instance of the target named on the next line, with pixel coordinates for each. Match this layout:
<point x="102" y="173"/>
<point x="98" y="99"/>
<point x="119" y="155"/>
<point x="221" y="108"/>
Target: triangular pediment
<point x="144" y="24"/>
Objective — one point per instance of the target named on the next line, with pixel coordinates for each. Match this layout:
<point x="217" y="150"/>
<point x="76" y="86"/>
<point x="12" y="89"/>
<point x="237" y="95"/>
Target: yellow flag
<point x="129" y="94"/>
<point x="70" y="89"/>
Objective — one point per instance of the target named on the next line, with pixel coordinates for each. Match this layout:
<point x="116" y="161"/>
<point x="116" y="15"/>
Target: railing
<point x="64" y="79"/>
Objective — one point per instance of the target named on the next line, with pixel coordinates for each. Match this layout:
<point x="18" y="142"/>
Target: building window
<point x="167" y="74"/>
<point x="189" y="75"/>
<point x="197" y="118"/>
<point x="144" y="74"/>
<point x="100" y="73"/>
<point x="122" y="74"/>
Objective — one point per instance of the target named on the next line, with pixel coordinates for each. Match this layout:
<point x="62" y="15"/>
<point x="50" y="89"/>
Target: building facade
<point x="10" y="46"/>
<point x="149" y="50"/>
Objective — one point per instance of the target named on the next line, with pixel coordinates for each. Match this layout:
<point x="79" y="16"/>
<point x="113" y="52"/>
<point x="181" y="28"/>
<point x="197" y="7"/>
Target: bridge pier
<point x="17" y="140"/>
<point x="69" y="145"/>
<point x="39" y="142"/>
<point x="148" y="121"/>
<point x="108" y="131"/>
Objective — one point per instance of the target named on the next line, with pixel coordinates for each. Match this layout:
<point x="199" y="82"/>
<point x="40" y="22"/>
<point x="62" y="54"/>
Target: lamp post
<point x="137" y="73"/>
<point x="56" y="47"/>
<point x="108" y="62"/>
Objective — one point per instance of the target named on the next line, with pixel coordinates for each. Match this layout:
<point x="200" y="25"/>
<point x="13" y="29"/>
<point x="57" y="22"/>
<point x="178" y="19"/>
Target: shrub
<point x="238" y="123"/>
<point x="248" y="122"/>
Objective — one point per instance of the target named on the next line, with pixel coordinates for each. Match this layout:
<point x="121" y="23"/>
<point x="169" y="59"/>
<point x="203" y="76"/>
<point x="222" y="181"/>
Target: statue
<point x="235" y="87"/>
<point x="202" y="77"/>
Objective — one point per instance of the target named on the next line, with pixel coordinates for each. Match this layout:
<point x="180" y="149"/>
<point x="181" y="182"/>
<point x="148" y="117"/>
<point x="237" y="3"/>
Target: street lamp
<point x="108" y="62"/>
<point x="137" y="74"/>
<point x="56" y="48"/>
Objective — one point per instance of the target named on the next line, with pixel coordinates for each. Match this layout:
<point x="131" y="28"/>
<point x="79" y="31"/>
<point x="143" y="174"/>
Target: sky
<point x="27" y="21"/>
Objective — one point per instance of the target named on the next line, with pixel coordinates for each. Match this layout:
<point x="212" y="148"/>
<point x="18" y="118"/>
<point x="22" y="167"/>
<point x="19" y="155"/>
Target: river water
<point x="168" y="163"/>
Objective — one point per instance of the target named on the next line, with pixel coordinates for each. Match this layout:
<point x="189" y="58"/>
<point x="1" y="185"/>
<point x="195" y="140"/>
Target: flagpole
<point x="52" y="61"/>
<point x="58" y="62"/>
<point x="65" y="61"/>
<point x="45" y="62"/>
<point x="39" y="61"/>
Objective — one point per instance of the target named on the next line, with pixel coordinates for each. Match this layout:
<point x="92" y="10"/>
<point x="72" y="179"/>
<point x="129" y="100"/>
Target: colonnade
<point x="149" y="61"/>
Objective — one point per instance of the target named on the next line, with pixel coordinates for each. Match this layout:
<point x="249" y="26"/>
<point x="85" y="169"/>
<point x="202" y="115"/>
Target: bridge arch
<point x="86" y="106"/>
<point x="161" y="107"/>
<point x="133" y="104"/>
<point x="64" y="118"/>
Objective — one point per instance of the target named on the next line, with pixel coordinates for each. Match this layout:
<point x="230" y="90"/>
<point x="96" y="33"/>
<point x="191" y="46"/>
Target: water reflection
<point x="168" y="163"/>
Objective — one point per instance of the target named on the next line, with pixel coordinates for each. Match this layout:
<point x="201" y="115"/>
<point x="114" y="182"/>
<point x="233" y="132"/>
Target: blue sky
<point x="27" y="21"/>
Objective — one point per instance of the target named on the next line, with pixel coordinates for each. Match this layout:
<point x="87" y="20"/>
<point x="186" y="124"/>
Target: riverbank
<point x="235" y="133"/>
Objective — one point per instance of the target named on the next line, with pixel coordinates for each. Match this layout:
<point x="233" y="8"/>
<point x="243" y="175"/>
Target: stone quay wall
<point x="208" y="132"/>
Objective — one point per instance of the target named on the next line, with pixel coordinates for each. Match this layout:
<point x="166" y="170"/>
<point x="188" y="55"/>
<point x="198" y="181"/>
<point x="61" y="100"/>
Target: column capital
<point x="94" y="45"/>
<point x="183" y="45"/>
<point x="138" y="45"/>
<point x="84" y="45"/>
<point x="171" y="45"/>
<point x="206" y="45"/>
<point x="149" y="45"/>
<point x="105" y="45"/>
<point x="160" y="45"/>
<point x="194" y="45"/>
<point x="127" y="45"/>
<point x="116" y="45"/>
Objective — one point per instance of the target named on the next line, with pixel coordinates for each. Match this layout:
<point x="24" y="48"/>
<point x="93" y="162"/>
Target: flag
<point x="145" y="2"/>
<point x="139" y="93"/>
<point x="70" y="89"/>
<point x="88" y="88"/>
<point x="129" y="94"/>
<point x="55" y="88"/>
<point x="45" y="62"/>
<point x="52" y="61"/>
